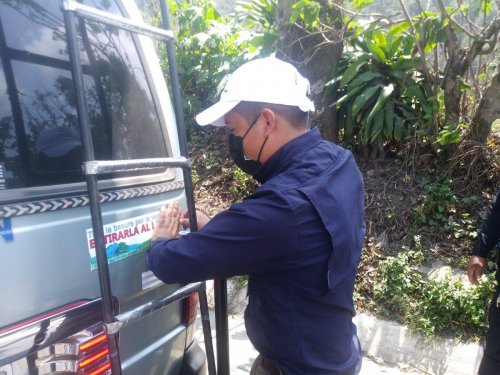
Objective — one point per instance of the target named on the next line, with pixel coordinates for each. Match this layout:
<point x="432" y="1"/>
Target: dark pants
<point x="264" y="366"/>
<point x="490" y="364"/>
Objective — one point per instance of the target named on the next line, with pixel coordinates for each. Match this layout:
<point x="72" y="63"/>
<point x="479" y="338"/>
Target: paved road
<point x="242" y="353"/>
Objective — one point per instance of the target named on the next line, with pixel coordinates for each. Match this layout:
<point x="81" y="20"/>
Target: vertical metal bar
<point x="221" y="326"/>
<point x="95" y="210"/>
<point x="181" y="127"/>
<point x="188" y="183"/>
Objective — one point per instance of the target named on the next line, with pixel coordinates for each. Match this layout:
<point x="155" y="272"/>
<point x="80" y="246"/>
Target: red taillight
<point x="94" y="356"/>
<point x="89" y="361"/>
<point x="100" y="370"/>
<point x="93" y="342"/>
<point x="190" y="309"/>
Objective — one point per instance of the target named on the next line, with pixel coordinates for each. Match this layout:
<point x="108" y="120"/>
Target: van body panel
<point x="55" y="269"/>
<point x="46" y="239"/>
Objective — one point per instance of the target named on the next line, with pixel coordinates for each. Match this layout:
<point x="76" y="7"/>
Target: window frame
<point x="162" y="113"/>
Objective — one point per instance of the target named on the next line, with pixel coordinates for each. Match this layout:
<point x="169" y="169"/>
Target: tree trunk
<point x="457" y="66"/>
<point x="459" y="61"/>
<point x="316" y="56"/>
<point x="487" y="112"/>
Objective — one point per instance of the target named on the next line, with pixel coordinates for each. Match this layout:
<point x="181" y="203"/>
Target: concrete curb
<point x="395" y="344"/>
<point x="392" y="343"/>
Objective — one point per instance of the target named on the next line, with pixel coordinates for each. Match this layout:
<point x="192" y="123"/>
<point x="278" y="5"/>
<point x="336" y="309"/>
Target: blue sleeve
<point x="257" y="235"/>
<point x="490" y="232"/>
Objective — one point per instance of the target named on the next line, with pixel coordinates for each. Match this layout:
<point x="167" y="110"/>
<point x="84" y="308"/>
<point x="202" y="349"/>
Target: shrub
<point x="382" y="94"/>
<point x="446" y="306"/>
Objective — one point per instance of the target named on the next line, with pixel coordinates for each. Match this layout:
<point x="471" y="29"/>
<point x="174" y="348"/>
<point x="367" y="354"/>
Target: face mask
<point x="236" y="151"/>
<point x="238" y="154"/>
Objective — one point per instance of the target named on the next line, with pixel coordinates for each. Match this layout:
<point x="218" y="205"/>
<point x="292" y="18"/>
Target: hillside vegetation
<point x="412" y="89"/>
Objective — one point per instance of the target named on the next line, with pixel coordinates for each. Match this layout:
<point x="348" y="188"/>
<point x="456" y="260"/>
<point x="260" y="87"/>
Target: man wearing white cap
<point x="298" y="237"/>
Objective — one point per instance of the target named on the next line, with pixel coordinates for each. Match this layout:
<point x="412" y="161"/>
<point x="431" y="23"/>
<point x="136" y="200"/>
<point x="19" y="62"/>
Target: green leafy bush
<point x="437" y="202"/>
<point x="446" y="306"/>
<point x="382" y="93"/>
<point x="259" y="16"/>
<point x="208" y="47"/>
<point x="438" y="206"/>
<point x="242" y="183"/>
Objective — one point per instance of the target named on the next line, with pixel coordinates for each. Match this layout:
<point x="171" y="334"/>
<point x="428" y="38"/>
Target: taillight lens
<point x="190" y="309"/>
<point x="94" y="356"/>
<point x="85" y="353"/>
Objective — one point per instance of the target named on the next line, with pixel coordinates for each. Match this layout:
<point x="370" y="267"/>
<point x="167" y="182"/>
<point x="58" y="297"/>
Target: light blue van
<point x="50" y="316"/>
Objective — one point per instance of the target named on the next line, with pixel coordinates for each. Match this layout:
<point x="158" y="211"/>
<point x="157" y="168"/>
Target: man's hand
<point x="475" y="268"/>
<point x="167" y="225"/>
<point x="201" y="219"/>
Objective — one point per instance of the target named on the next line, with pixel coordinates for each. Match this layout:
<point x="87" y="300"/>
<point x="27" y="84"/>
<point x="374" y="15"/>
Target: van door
<point x="47" y="252"/>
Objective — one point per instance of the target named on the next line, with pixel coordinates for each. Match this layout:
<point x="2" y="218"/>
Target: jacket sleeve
<point x="490" y="232"/>
<point x="253" y="236"/>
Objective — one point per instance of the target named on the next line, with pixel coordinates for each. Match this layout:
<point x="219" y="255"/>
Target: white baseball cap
<point x="267" y="80"/>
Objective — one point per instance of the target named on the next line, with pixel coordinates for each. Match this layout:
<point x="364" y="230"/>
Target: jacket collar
<point x="285" y="156"/>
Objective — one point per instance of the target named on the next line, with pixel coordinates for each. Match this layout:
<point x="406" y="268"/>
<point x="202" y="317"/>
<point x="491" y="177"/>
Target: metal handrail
<point x="140" y="312"/>
<point x="95" y="167"/>
<point x="84" y="11"/>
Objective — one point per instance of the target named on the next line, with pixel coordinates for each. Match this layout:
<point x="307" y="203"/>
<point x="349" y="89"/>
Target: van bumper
<point x="194" y="362"/>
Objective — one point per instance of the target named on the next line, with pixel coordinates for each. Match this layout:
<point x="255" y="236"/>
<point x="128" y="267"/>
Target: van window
<point x="39" y="137"/>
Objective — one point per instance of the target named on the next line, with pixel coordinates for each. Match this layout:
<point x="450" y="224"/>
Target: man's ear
<point x="270" y="120"/>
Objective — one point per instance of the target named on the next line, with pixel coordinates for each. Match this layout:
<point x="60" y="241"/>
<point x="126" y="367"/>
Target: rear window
<point x="39" y="136"/>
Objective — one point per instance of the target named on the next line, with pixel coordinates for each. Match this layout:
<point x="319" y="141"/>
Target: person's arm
<point x="486" y="240"/>
<point x="254" y="236"/>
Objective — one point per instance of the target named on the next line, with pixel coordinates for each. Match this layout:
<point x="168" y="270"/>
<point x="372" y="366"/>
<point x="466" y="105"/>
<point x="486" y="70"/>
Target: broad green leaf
<point x="428" y="14"/>
<point x="379" y="39"/>
<point x="333" y="82"/>
<point x="398" y="128"/>
<point x="365" y="130"/>
<point x="400" y="75"/>
<point x="362" y="78"/>
<point x="399" y="28"/>
<point x="486" y="6"/>
<point x="376" y="50"/>
<point x="449" y="135"/>
<point x="358" y="4"/>
<point x="351" y="24"/>
<point x="378" y="125"/>
<point x="406" y="62"/>
<point x="429" y="46"/>
<point x="414" y="91"/>
<point x="347" y="96"/>
<point x="349" y="125"/>
<point x="463" y="86"/>
<point x="394" y="44"/>
<point x="351" y="71"/>
<point x="441" y="36"/>
<point x="362" y="99"/>
<point x="389" y="119"/>
<point x="408" y="45"/>
<point x="384" y="94"/>
<point x="465" y="8"/>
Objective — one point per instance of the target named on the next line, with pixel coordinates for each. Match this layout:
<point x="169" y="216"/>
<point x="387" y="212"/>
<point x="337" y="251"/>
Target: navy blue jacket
<point x="490" y="233"/>
<point x="299" y="238"/>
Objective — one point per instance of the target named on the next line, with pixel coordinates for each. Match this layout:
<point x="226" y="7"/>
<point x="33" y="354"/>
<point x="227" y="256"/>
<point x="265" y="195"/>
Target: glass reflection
<point x="39" y="140"/>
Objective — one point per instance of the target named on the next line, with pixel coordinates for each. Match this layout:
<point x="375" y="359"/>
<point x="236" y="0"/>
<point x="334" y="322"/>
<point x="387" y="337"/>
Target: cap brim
<point x="214" y="115"/>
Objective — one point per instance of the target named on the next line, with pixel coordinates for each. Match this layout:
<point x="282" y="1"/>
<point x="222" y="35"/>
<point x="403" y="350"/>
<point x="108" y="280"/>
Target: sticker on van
<point x="123" y="238"/>
<point x="6" y="230"/>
